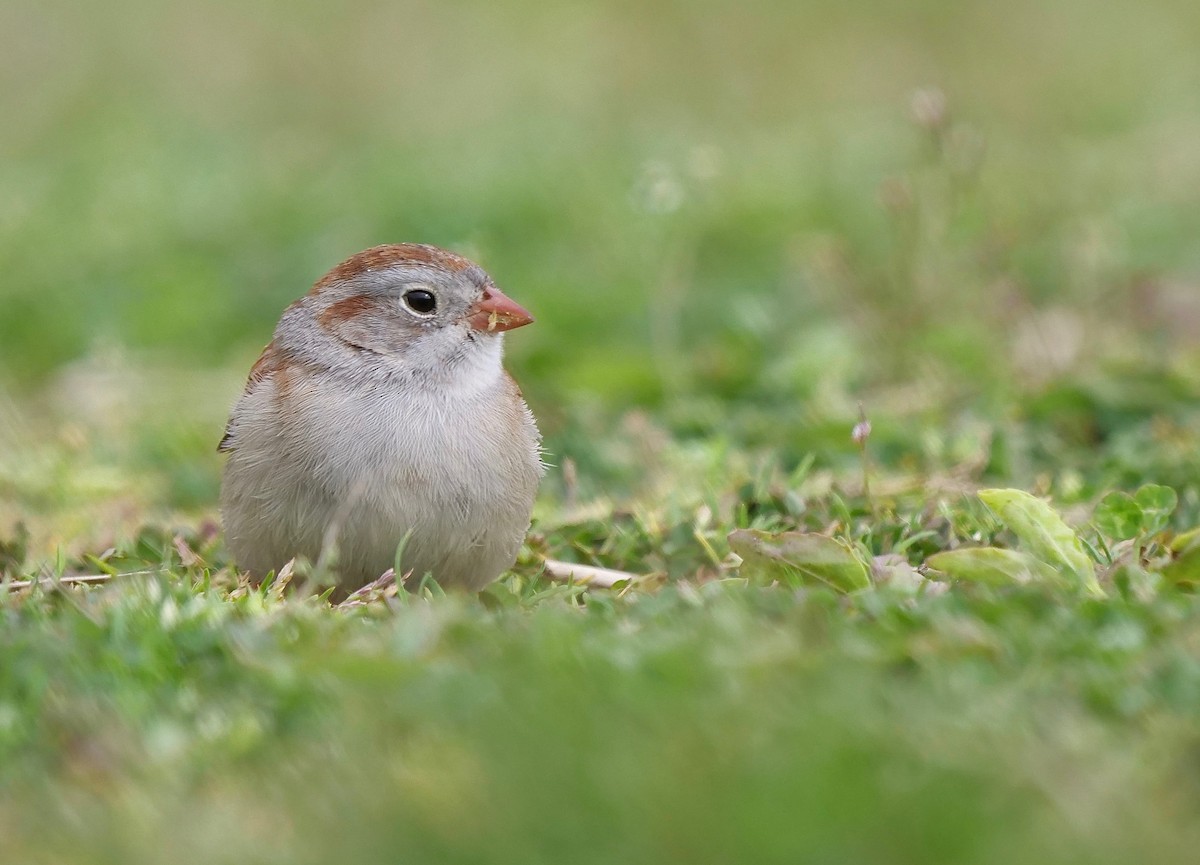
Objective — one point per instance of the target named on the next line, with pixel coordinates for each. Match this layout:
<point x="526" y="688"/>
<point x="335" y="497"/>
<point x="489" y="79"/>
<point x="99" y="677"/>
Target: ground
<point x="812" y="283"/>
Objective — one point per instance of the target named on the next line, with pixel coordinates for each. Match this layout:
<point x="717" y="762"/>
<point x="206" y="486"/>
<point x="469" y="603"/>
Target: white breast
<point x="453" y="468"/>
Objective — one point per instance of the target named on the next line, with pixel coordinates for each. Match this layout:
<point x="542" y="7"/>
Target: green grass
<point x="695" y="724"/>
<point x="736" y="225"/>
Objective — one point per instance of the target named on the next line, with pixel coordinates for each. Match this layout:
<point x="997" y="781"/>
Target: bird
<point x="379" y="428"/>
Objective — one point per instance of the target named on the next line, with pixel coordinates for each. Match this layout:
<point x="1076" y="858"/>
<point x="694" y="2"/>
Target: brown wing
<point x="267" y="364"/>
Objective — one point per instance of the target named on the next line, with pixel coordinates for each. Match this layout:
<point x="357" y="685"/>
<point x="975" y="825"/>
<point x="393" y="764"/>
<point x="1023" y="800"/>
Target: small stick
<point x="82" y="579"/>
<point x="587" y="575"/>
<point x="860" y="434"/>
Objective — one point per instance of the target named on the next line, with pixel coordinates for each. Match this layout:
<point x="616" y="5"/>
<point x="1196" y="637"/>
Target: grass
<point x="738" y="227"/>
<point x="707" y="724"/>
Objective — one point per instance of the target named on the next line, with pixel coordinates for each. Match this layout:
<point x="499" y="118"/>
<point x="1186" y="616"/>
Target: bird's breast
<point x="411" y="450"/>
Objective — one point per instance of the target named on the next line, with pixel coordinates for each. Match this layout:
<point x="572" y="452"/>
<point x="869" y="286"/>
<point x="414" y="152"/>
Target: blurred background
<point x="734" y="222"/>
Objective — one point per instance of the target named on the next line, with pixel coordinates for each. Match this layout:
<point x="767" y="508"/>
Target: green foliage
<point x="1123" y="517"/>
<point x="795" y="558"/>
<point x="1119" y="517"/>
<point x="154" y="714"/>
<point x="1044" y="534"/>
<point x="991" y="566"/>
<point x="1157" y="503"/>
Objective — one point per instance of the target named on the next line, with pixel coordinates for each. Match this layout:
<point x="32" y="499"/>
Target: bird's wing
<point x="267" y="364"/>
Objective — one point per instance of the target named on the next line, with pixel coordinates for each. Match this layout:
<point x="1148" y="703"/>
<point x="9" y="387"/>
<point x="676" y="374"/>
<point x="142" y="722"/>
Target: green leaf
<point x="1185" y="570"/>
<point x="990" y="566"/>
<point x="1044" y="534"/>
<point x="1119" y="517"/>
<point x="1157" y="504"/>
<point x="798" y="558"/>
<point x="1186" y="542"/>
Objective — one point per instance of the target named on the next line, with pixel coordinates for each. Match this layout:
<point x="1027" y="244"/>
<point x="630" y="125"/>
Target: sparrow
<point x="379" y="426"/>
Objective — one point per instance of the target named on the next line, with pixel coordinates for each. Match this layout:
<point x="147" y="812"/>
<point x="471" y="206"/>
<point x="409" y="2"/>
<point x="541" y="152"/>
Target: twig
<point x="587" y="575"/>
<point x="81" y="579"/>
<point x="860" y="434"/>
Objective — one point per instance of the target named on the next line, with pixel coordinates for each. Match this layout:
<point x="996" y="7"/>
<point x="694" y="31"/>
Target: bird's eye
<point x="420" y="301"/>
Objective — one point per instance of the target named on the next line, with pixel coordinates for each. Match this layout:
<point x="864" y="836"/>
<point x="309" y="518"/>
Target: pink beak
<point x="496" y="311"/>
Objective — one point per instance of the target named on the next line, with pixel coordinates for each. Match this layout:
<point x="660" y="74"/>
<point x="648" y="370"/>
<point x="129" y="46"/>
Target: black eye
<point x="421" y="301"/>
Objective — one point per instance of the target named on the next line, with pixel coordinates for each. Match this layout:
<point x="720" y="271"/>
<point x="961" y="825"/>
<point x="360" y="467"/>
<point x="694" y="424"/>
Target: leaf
<point x="1118" y="517"/>
<point x="1044" y="534"/>
<point x="797" y="557"/>
<point x="1157" y="504"/>
<point x="1185" y="570"/>
<point x="1186" y="542"/>
<point x="990" y="566"/>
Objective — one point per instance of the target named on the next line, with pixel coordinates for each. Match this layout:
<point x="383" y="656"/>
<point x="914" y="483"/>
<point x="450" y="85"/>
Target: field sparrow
<point x="380" y="415"/>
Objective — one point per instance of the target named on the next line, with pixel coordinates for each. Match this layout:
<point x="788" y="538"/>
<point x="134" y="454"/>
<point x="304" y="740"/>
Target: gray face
<point x="414" y="315"/>
<point x="429" y="298"/>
